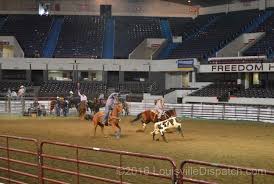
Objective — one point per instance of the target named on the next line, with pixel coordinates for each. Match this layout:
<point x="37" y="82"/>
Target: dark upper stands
<point x="131" y="31"/>
<point x="206" y="42"/>
<point x="81" y="37"/>
<point x="186" y="27"/>
<point x="29" y="30"/>
<point x="62" y="88"/>
<point x="264" y="46"/>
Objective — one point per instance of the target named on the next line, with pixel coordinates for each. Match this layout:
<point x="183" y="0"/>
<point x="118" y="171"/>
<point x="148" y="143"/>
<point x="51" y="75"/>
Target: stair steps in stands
<point x="2" y="22"/>
<point x="166" y="30"/>
<point x="108" y="43"/>
<point x="52" y="39"/>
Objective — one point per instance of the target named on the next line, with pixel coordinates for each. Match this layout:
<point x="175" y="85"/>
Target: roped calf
<point x="162" y="126"/>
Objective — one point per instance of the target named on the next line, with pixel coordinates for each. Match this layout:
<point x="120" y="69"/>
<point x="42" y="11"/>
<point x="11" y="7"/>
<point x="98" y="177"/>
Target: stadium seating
<point x="216" y="89"/>
<point x="264" y="46"/>
<point x="81" y="37"/>
<point x="131" y="31"/>
<point x="62" y="88"/>
<point x="13" y="85"/>
<point x="137" y="87"/>
<point x="215" y="36"/>
<point x="29" y="30"/>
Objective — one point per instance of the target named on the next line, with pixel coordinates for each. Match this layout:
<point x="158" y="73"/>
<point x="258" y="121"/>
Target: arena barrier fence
<point x="38" y="152"/>
<point x="203" y="111"/>
<point x="251" y="171"/>
<point x="218" y="112"/>
<point x="120" y="167"/>
<point x="10" y="157"/>
<point x="40" y="166"/>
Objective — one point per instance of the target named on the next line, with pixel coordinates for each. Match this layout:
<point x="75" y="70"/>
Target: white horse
<point x="162" y="126"/>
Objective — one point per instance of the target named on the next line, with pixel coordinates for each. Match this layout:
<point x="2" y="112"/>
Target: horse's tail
<point x="137" y="117"/>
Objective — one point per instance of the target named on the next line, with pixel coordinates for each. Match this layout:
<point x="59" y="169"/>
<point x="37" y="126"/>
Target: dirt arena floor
<point x="245" y="144"/>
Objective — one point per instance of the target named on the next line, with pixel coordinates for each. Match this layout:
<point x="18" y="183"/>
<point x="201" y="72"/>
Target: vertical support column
<point x="256" y="80"/>
<point x="28" y="73"/>
<point x="262" y="4"/>
<point x="105" y="76"/>
<point x="185" y="82"/>
<point x="121" y="76"/>
<point x="246" y="80"/>
<point x="193" y="77"/>
<point x="1" y="73"/>
<point x="46" y="74"/>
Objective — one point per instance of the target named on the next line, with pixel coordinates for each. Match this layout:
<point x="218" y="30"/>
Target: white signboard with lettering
<point x="249" y="67"/>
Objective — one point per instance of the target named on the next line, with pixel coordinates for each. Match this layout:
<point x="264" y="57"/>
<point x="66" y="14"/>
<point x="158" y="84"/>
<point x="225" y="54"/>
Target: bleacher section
<point x="137" y="87"/>
<point x="266" y="45"/>
<point x="131" y="31"/>
<point x="255" y="92"/>
<point x="13" y="85"/>
<point x="62" y="88"/>
<point x="81" y="37"/>
<point x="233" y="90"/>
<point x="216" y="35"/>
<point x="29" y="30"/>
<point x="216" y="89"/>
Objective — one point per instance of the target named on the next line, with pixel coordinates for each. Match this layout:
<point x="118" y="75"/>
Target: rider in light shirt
<point x="159" y="107"/>
<point x="83" y="97"/>
<point x="109" y="106"/>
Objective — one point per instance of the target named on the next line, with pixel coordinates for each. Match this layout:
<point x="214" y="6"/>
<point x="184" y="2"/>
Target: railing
<point x="248" y="171"/>
<point x="219" y="112"/>
<point x="9" y="170"/>
<point x="120" y="168"/>
<point x="40" y="164"/>
<point x="203" y="111"/>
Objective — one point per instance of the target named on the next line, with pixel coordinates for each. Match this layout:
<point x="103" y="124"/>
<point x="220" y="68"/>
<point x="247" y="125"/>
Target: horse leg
<point x="102" y="130"/>
<point x="96" y="125"/>
<point x="180" y="131"/>
<point x="144" y="125"/>
<point x="119" y="130"/>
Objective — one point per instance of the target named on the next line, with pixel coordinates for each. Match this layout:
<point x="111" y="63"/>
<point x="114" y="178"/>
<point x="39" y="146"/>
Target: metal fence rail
<point x="40" y="167"/>
<point x="8" y="170"/>
<point x="221" y="112"/>
<point x="121" y="168"/>
<point x="204" y="111"/>
<point x="251" y="171"/>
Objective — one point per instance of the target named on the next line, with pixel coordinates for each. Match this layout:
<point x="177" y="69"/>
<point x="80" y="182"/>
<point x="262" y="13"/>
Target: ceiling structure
<point x="203" y="3"/>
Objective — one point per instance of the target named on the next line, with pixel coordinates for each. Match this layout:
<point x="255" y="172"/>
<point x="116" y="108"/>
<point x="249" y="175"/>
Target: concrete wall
<point x="92" y="7"/>
<point x="172" y="97"/>
<point x="173" y="80"/>
<point x="17" y="51"/>
<point x="237" y="6"/>
<point x="92" y="64"/>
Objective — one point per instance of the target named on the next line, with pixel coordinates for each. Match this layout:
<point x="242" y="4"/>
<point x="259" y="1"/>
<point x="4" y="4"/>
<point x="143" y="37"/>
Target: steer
<point x="162" y="126"/>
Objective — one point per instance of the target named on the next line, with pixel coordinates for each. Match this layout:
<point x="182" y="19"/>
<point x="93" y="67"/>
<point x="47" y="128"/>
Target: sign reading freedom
<point x="252" y="67"/>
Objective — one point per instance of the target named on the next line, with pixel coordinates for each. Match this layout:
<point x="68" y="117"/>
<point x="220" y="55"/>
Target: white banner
<point x="250" y="67"/>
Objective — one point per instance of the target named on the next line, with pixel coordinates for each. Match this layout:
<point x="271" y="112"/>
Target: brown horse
<point x="113" y="120"/>
<point x="151" y="116"/>
<point x="82" y="109"/>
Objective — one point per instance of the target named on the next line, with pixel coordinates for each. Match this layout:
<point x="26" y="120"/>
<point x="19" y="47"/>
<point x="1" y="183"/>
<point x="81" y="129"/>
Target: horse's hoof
<point x="157" y="139"/>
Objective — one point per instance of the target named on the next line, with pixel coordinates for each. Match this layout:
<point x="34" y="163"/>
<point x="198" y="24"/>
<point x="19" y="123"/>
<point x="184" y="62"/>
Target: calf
<point x="162" y="126"/>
